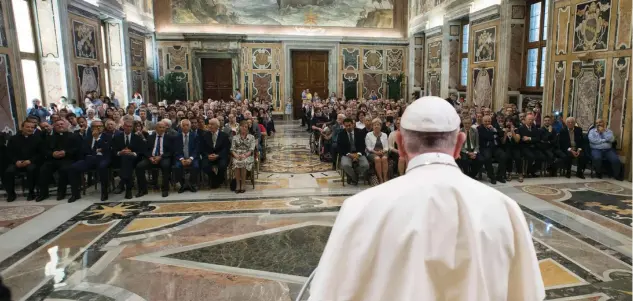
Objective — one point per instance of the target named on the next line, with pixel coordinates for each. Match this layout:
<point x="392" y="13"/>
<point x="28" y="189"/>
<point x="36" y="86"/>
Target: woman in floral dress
<point x="242" y="149"/>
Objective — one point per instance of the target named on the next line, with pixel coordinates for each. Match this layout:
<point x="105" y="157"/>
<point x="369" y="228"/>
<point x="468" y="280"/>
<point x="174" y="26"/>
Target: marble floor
<point x="263" y="244"/>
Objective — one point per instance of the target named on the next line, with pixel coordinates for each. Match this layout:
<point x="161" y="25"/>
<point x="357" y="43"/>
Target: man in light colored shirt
<point x="601" y="143"/>
<point x="432" y="234"/>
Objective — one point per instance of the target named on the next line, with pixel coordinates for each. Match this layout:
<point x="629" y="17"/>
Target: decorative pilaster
<point x="51" y="61"/>
<point x="117" y="59"/>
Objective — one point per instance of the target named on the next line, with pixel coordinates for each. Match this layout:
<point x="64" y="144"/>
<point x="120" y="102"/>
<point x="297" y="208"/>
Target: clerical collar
<point x="431" y="158"/>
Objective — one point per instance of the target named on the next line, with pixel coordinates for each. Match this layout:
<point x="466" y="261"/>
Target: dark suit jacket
<point x="343" y="142"/>
<point x="487" y="137"/>
<point x="193" y="146"/>
<point x="169" y="145"/>
<point x="20" y="148"/>
<point x="565" y="142"/>
<point x="68" y="142"/>
<point x="137" y="144"/>
<point x="534" y="133"/>
<point x="548" y="140"/>
<point x="222" y="144"/>
<point x="103" y="143"/>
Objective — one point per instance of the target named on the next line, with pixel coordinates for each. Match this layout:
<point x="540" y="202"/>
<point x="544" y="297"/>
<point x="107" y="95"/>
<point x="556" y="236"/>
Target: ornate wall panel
<point x="587" y="81"/>
<point x="89" y="77"/>
<point x="454" y="47"/>
<point x="395" y="60"/>
<point x="623" y="34"/>
<point x="373" y="59"/>
<point x="373" y="82"/>
<point x="591" y="25"/>
<point x="8" y="112"/>
<point x="560" y="72"/>
<point x="483" y="86"/>
<point x="137" y="51"/>
<point x="516" y="57"/>
<point x="350" y="85"/>
<point x="434" y="82"/>
<point x="485" y="41"/>
<point x="351" y="57"/>
<point x="3" y="32"/>
<point x="620" y="87"/>
<point x="418" y="63"/>
<point x="434" y="54"/>
<point x="562" y="29"/>
<point x="375" y="63"/>
<point x="85" y="40"/>
<point x="177" y="58"/>
<point x="51" y="79"/>
<point x="261" y="66"/>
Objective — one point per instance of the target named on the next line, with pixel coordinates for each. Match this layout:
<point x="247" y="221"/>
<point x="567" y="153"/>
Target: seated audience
<point x="159" y="156"/>
<point x="530" y="139"/>
<point x="470" y="160"/>
<point x="25" y="153"/>
<point x="214" y="149"/>
<point x="60" y="152"/>
<point x="549" y="145"/>
<point x="128" y="150"/>
<point x="491" y="140"/>
<point x="94" y="154"/>
<point x="601" y="143"/>
<point x="187" y="156"/>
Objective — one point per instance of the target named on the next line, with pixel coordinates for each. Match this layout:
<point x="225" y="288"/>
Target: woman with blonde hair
<point x="377" y="150"/>
<point x="242" y="148"/>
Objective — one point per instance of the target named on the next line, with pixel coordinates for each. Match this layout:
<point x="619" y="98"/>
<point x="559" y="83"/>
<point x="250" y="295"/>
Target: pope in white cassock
<point x="432" y="234"/>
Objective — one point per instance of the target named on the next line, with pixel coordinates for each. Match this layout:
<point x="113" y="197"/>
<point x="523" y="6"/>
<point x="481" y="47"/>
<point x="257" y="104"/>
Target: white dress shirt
<point x="440" y="238"/>
<point x="370" y="141"/>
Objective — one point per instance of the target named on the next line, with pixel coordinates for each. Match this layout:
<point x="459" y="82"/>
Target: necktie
<point x="351" y="142"/>
<point x="185" y="149"/>
<point x="468" y="145"/>
<point x="214" y="139"/>
<point x="94" y="144"/>
<point x="127" y="140"/>
<point x="157" y="150"/>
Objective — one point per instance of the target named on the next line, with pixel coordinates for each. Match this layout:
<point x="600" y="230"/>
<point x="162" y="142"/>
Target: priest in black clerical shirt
<point x="61" y="150"/>
<point x="24" y="151"/>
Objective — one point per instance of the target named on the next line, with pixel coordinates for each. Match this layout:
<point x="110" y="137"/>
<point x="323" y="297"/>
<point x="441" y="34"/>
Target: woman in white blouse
<point x="377" y="150"/>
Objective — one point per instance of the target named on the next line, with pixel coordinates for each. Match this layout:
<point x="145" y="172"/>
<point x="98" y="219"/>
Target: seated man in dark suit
<point x="351" y="149"/>
<point x="127" y="150"/>
<point x="187" y="156"/>
<point x="571" y="143"/>
<point x="530" y="138"/>
<point x="550" y="146"/>
<point x="60" y="153"/>
<point x="470" y="160"/>
<point x="491" y="140"/>
<point x="24" y="153"/>
<point x="160" y="152"/>
<point x="95" y="154"/>
<point x="214" y="148"/>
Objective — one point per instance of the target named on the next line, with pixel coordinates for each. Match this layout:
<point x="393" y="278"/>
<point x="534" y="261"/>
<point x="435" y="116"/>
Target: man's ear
<point x="400" y="142"/>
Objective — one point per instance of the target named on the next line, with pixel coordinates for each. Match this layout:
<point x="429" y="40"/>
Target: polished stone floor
<point x="263" y="244"/>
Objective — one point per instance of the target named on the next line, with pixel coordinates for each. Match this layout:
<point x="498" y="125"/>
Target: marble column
<point x="52" y="59"/>
<point x="116" y="61"/>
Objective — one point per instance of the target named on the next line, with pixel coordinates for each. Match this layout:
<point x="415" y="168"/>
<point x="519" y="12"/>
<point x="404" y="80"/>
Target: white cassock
<point x="433" y="234"/>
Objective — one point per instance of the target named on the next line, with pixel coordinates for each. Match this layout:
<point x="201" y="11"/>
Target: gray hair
<point x="572" y="119"/>
<point x="167" y="121"/>
<point x="185" y="121"/>
<point x="214" y="121"/>
<point x="424" y="142"/>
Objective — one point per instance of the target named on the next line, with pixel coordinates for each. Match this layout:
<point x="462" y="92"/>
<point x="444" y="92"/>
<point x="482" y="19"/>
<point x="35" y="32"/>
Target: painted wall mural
<point x="620" y="83"/>
<point x="483" y="86"/>
<point x="591" y="30"/>
<point x="88" y="78"/>
<point x="586" y="91"/>
<point x="322" y="13"/>
<point x="7" y="110"/>
<point x="84" y="40"/>
<point x="485" y="42"/>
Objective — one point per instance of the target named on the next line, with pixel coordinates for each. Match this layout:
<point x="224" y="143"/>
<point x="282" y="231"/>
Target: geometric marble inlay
<point x="292" y="252"/>
<point x="555" y="275"/>
<point x="141" y="224"/>
<point x="615" y="207"/>
<point x="12" y="213"/>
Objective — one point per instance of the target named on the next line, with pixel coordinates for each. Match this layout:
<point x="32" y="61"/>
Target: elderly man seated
<point x="351" y="148"/>
<point x="601" y="143"/>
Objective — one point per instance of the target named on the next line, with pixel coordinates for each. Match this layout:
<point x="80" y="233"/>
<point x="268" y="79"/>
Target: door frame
<point x="330" y="47"/>
<point x="196" y="73"/>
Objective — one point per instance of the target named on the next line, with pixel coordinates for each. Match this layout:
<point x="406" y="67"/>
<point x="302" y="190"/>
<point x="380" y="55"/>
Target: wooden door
<point x="217" y="79"/>
<point x="309" y="71"/>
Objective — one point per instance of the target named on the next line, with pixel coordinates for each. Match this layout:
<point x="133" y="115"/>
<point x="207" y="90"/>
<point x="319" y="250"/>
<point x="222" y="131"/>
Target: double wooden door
<point x="309" y="71"/>
<point x="217" y="79"/>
